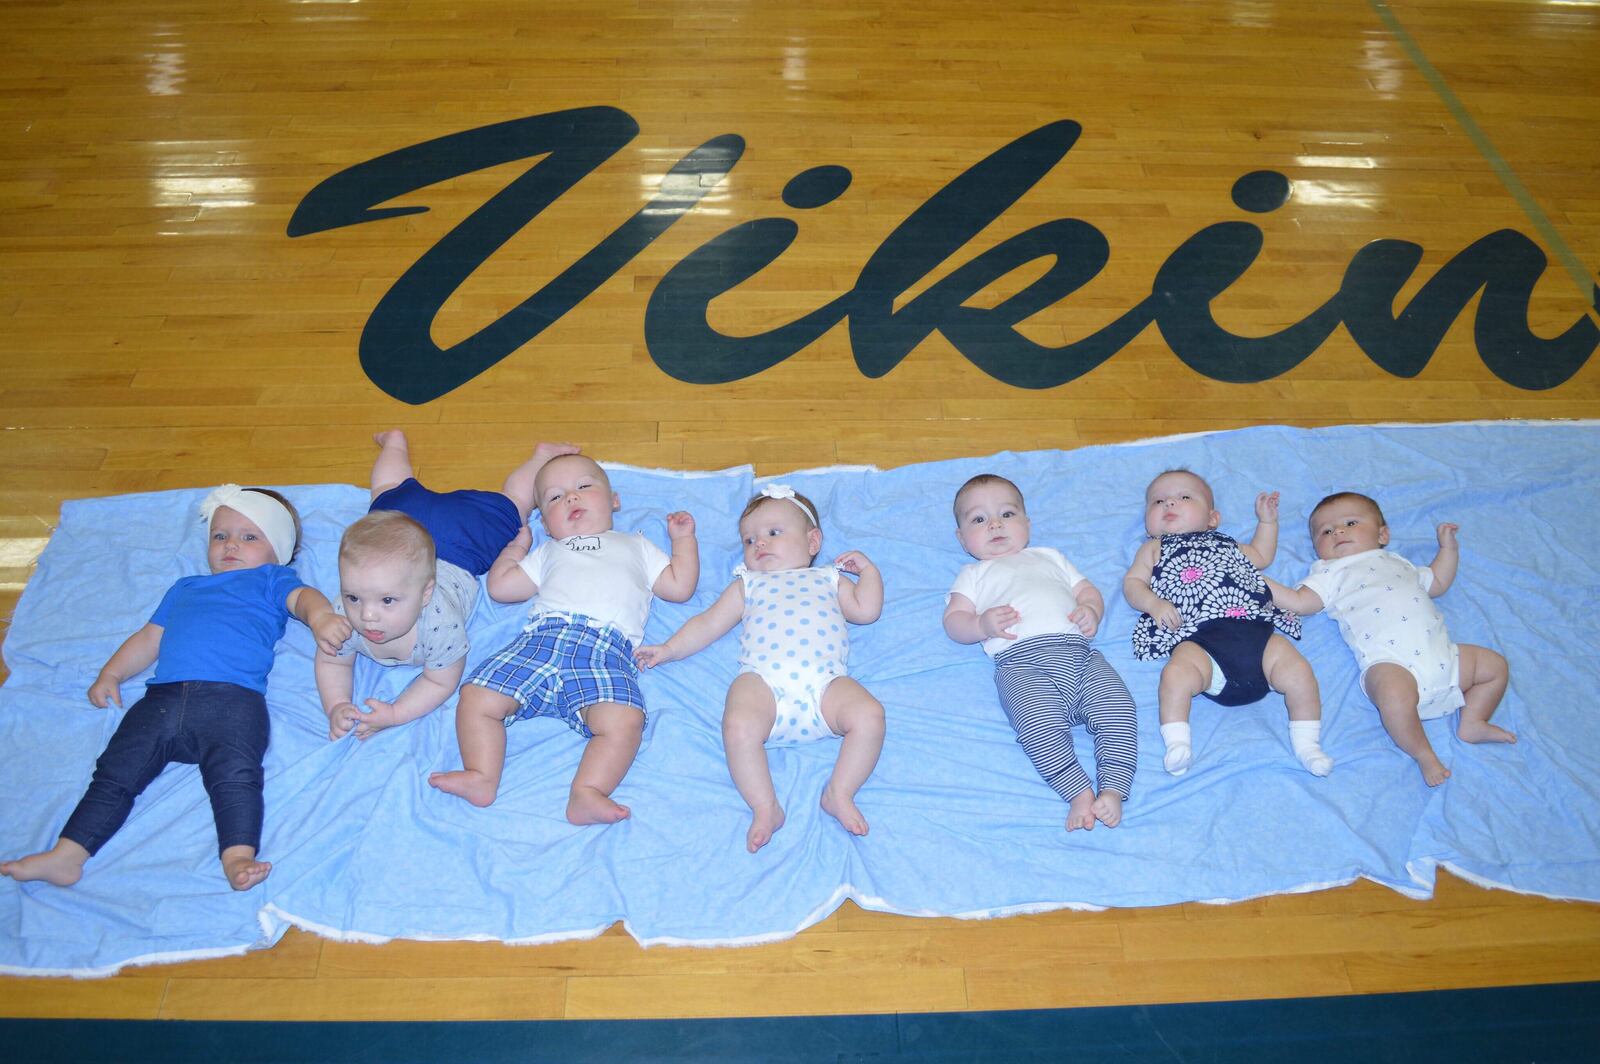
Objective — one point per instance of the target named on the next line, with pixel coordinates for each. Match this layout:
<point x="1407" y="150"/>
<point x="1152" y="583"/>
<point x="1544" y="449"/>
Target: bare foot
<point x="585" y="805"/>
<point x="1481" y="731"/>
<point x="844" y="811"/>
<point x="1433" y="770"/>
<point x="475" y="787"/>
<point x="62" y="865"/>
<point x="1108" y="808"/>
<point x="1080" y="811"/>
<point x="763" y="825"/>
<point x="239" y="864"/>
<point x="383" y="439"/>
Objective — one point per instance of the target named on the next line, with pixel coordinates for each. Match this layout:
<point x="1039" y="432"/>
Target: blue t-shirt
<point x="224" y="626"/>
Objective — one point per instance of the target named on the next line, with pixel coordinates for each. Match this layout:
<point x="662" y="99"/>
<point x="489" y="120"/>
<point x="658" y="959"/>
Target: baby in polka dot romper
<point x="1384" y="605"/>
<point x="792" y="685"/>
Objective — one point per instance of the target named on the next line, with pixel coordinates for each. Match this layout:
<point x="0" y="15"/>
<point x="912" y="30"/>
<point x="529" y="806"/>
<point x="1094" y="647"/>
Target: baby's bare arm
<point x="316" y="613"/>
<point x="1301" y="600"/>
<point x="699" y="631"/>
<point x="508" y="581"/>
<point x="1446" y="562"/>
<point x="1263" y="546"/>
<point x="861" y="600"/>
<point x="136" y="654"/>
<point x="1091" y="607"/>
<point x="682" y="574"/>
<point x="1136" y="590"/>
<point x="964" y="624"/>
<point x="424" y="694"/>
<point x="335" y="687"/>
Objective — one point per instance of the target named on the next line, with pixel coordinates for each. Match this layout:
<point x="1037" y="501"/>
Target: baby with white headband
<point x="792" y="685"/>
<point x="212" y="640"/>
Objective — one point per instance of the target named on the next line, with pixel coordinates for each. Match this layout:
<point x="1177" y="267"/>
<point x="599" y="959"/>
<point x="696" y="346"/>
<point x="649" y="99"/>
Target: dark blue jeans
<point x="221" y="727"/>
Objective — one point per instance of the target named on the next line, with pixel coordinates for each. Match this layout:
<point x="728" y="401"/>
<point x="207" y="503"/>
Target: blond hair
<point x="388" y="534"/>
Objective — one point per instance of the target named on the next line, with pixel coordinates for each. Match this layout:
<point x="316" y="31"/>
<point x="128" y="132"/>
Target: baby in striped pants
<point x="1035" y="613"/>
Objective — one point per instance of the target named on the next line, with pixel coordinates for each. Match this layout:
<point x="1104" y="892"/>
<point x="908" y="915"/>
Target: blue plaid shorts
<point x="560" y="666"/>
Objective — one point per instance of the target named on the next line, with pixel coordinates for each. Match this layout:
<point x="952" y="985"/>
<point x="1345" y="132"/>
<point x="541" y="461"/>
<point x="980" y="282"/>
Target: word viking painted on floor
<point x="399" y="355"/>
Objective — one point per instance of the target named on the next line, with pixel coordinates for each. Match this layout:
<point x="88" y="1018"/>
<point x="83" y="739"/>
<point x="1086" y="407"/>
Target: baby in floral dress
<point x="1207" y="610"/>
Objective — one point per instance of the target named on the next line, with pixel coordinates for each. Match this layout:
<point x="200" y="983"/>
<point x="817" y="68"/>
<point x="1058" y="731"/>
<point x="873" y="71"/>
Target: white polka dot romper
<point x="794" y="636"/>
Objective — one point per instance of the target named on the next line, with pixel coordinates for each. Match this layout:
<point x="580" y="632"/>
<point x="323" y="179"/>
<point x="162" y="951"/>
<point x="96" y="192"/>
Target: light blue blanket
<point x="363" y="849"/>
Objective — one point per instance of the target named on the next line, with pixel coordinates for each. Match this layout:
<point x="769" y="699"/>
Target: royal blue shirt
<point x="224" y="626"/>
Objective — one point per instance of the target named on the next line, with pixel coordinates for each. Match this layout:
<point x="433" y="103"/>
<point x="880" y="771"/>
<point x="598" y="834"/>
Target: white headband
<point x="784" y="491"/>
<point x="267" y="513"/>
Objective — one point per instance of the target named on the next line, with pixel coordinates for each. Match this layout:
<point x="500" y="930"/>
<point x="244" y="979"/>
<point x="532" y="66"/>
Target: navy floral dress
<point x="1208" y="578"/>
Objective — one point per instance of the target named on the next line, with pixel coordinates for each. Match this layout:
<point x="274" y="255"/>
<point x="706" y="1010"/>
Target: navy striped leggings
<point x="1051" y="683"/>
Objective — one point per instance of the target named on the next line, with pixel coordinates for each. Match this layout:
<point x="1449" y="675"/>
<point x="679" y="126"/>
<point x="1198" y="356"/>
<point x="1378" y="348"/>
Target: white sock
<point x="1306" y="738"/>
<point x="1179" y="754"/>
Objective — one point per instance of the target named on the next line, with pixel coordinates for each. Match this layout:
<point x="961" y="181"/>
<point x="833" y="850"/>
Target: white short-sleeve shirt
<point x="608" y="577"/>
<point x="1385" y="613"/>
<point x="1036" y="581"/>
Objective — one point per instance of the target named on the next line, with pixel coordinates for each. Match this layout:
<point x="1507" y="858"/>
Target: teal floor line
<point x="1533" y="1023"/>
<point x="1579" y="273"/>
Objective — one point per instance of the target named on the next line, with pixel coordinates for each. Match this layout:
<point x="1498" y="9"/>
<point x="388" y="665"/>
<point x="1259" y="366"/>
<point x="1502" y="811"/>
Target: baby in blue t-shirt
<point x="793" y="648"/>
<point x="212" y="640"/>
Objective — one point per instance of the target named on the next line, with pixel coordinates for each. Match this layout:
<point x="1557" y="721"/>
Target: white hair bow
<point x="784" y="491"/>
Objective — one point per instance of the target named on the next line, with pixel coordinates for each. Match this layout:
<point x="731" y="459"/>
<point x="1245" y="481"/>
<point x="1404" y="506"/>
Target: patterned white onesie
<point x="794" y="636"/>
<point x="1385" y="614"/>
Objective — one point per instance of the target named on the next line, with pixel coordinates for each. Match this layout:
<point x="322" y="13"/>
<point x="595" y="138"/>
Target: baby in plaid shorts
<point x="592" y="588"/>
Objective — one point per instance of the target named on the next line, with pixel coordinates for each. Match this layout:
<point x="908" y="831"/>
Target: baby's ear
<point x="1383" y="535"/>
<point x="427" y="593"/>
<point x="814" y="541"/>
<point x="616" y="502"/>
<point x="1214" y="520"/>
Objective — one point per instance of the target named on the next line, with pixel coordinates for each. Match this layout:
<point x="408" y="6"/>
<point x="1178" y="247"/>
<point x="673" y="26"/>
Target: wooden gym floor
<point x="160" y="329"/>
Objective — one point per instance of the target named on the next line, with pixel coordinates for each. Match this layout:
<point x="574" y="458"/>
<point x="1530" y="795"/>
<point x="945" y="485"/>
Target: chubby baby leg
<point x="1186" y="673"/>
<point x="617" y="730"/>
<point x="519" y="482"/>
<point x="392" y="467"/>
<point x="747" y="718"/>
<point x="854" y="714"/>
<point x="1484" y="675"/>
<point x="1290" y="674"/>
<point x="481" y="734"/>
<point x="62" y="865"/>
<point x="1394" y="691"/>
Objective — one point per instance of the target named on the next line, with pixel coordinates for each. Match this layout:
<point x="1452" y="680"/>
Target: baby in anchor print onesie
<point x="792" y="685"/>
<point x="1384" y="605"/>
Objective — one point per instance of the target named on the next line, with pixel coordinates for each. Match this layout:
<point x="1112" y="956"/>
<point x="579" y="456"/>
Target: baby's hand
<point x="1086" y="619"/>
<point x="680" y="525"/>
<point x="381" y="716"/>
<point x="1447" y="534"/>
<point x="331" y="630"/>
<point x="341" y="718"/>
<point x="1267" y="507"/>
<point x="997" y="622"/>
<point x="543" y="452"/>
<point x="853" y="561"/>
<point x="1167" y="616"/>
<point x="105" y="689"/>
<point x="654" y="654"/>
<point x="518" y="547"/>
